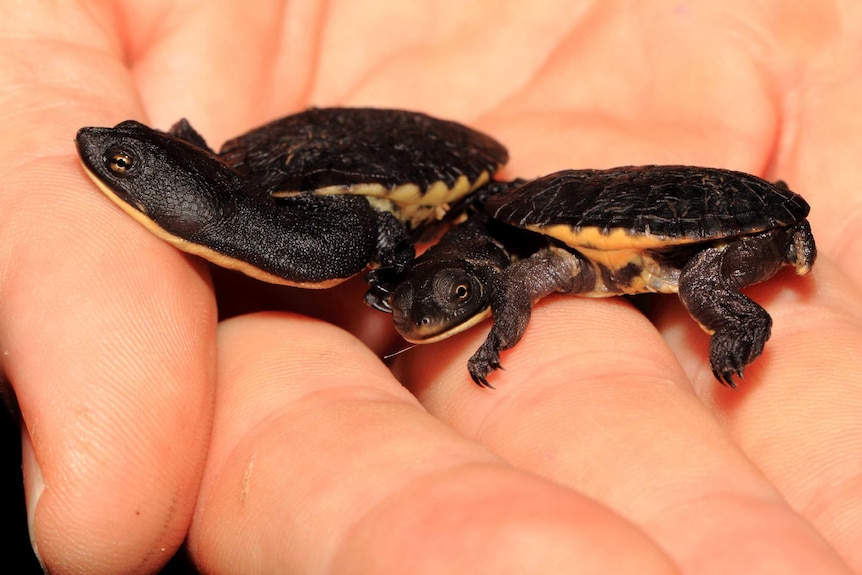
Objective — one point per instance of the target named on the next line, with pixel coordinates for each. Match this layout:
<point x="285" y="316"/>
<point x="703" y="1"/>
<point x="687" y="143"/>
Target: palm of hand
<point x="602" y="428"/>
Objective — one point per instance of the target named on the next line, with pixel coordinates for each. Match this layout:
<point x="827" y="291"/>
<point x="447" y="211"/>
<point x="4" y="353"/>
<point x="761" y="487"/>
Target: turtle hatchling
<point x="703" y="233"/>
<point x="308" y="200"/>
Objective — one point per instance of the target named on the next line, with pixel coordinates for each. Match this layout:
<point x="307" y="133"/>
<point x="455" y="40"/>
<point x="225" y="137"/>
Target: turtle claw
<point x="731" y="350"/>
<point x="378" y="298"/>
<point x="379" y="295"/>
<point x="727" y="378"/>
<point x="484" y="362"/>
<point x="482" y="379"/>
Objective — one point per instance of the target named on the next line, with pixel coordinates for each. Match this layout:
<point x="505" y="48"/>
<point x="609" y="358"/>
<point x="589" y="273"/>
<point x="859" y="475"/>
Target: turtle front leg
<point x="709" y="288"/>
<point x="395" y="251"/>
<point x="516" y="290"/>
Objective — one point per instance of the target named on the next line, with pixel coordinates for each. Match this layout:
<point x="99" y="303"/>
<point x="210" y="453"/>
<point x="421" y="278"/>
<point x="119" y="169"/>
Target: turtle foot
<point x="732" y="350"/>
<point x="381" y="282"/>
<point x="484" y="362"/>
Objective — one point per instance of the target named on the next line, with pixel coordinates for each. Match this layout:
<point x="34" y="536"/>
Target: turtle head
<point x="439" y="298"/>
<point x="173" y="186"/>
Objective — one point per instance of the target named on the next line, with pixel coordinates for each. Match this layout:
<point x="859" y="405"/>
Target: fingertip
<point x="34" y="485"/>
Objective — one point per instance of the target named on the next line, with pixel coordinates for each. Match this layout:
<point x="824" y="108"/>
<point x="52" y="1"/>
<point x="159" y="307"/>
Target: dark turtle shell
<point x="647" y="206"/>
<point x="406" y="157"/>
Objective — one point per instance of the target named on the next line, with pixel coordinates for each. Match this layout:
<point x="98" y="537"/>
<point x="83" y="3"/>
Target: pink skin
<point x="278" y="442"/>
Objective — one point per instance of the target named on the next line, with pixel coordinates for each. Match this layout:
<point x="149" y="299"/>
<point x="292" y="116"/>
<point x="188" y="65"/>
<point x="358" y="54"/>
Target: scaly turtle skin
<point x="309" y="200"/>
<point x="703" y="233"/>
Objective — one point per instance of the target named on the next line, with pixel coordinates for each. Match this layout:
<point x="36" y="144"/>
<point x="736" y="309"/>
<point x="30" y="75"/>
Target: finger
<point x="799" y="421"/>
<point x="105" y="331"/>
<point x="639" y="86"/>
<point x="341" y="305"/>
<point x="212" y="62"/>
<point x="592" y="398"/>
<point x="796" y="416"/>
<point x="319" y="458"/>
<point x="108" y="357"/>
<point x="821" y="141"/>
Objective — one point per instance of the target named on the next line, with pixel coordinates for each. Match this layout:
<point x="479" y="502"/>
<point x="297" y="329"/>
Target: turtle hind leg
<point x="709" y="288"/>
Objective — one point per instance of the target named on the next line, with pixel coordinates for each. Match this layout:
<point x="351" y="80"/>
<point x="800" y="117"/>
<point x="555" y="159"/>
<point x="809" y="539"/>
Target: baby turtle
<point x="264" y="205"/>
<point x="703" y="233"/>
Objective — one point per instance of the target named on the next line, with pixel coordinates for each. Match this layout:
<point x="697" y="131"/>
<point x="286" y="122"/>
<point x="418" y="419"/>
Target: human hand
<point x="606" y="444"/>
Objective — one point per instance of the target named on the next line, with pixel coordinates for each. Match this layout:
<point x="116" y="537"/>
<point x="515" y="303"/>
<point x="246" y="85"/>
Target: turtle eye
<point x="120" y="163"/>
<point x="454" y="290"/>
<point x="461" y="291"/>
